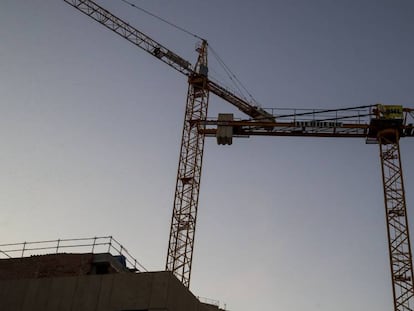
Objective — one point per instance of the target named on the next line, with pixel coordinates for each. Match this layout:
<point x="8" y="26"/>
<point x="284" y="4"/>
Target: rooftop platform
<point x="87" y="281"/>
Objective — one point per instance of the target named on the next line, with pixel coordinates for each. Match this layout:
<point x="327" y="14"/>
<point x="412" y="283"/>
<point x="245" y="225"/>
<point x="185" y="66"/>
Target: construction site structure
<point x="184" y="216"/>
<point x="98" y="274"/>
<point x="379" y="124"/>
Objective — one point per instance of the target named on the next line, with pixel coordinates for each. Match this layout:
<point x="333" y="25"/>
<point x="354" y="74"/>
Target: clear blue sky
<point x="90" y="129"/>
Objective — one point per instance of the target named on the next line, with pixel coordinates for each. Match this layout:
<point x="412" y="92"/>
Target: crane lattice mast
<point x="397" y="222"/>
<point x="183" y="222"/>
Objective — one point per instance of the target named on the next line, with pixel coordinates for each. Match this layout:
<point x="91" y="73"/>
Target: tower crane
<point x="184" y="216"/>
<point x="377" y="124"/>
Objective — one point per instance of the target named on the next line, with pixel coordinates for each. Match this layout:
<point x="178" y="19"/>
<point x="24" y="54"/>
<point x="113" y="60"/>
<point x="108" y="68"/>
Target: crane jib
<point x="130" y="33"/>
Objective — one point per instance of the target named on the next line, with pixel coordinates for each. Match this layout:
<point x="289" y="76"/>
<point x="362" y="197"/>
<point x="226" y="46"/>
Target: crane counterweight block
<point x="224" y="134"/>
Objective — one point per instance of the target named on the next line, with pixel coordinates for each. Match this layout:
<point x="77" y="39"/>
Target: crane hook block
<point x="224" y="134"/>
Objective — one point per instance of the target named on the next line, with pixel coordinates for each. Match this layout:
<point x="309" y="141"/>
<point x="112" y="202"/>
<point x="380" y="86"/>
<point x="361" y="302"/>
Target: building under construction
<point x="106" y="278"/>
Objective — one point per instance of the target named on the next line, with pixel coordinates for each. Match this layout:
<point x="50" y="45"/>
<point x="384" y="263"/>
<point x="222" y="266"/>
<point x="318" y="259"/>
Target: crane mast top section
<point x="143" y="41"/>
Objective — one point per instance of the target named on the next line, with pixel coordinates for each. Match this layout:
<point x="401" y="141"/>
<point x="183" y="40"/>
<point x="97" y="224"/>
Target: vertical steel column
<point x="184" y="216"/>
<point x="397" y="224"/>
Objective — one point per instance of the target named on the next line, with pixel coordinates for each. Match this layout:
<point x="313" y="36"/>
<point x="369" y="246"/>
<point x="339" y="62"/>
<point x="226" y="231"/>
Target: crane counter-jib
<point x="298" y="129"/>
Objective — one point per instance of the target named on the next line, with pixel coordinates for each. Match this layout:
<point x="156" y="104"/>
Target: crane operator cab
<point x="386" y="120"/>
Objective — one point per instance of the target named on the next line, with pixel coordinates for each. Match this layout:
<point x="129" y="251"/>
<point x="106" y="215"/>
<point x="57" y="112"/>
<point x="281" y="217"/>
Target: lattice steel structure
<point x="181" y="241"/>
<point x="379" y="124"/>
<point x="397" y="222"/>
<point x="184" y="216"/>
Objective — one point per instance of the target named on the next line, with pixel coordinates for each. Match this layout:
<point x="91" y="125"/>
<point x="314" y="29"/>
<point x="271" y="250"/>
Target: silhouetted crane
<point x="378" y="124"/>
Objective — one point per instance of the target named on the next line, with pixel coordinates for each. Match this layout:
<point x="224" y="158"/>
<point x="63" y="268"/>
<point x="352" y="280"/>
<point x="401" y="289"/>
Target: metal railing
<point x="353" y="115"/>
<point x="93" y="245"/>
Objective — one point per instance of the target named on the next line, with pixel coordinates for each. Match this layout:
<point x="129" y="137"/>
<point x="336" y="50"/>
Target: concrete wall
<point x="152" y="291"/>
<point x="46" y="266"/>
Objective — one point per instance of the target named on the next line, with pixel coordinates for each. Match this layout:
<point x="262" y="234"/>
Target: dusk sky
<point x="90" y="129"/>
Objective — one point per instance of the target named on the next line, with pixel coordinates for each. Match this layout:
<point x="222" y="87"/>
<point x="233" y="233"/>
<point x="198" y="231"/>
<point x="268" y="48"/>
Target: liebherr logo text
<point x="317" y="124"/>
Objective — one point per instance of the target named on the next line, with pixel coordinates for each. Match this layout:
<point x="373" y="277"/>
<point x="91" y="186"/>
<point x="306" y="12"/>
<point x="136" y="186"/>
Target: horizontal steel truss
<point x="397" y="221"/>
<point x="314" y="128"/>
